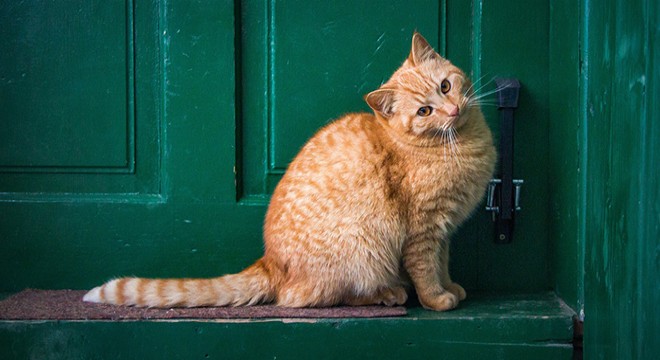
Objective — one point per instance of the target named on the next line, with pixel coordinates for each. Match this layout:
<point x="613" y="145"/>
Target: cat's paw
<point x="441" y="302"/>
<point x="457" y="290"/>
<point x="386" y="296"/>
<point x="393" y="296"/>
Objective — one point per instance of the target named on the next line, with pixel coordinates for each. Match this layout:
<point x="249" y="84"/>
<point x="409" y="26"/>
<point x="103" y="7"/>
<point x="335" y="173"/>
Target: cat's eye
<point x="445" y="86"/>
<point x="425" y="111"/>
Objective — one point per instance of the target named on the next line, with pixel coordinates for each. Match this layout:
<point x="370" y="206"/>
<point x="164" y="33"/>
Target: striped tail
<point x="249" y="287"/>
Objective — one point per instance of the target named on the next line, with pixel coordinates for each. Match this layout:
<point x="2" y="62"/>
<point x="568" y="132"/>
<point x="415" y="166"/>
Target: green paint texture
<point x="621" y="200"/>
<point x="150" y="146"/>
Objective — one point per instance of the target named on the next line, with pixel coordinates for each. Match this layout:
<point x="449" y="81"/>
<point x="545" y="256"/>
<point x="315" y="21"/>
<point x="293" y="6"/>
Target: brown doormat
<point x="33" y="304"/>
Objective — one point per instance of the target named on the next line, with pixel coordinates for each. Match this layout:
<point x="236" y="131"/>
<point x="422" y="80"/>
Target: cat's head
<point x="426" y="97"/>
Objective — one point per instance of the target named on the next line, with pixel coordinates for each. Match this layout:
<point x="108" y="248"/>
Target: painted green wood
<point x="564" y="240"/>
<point x="488" y="327"/>
<point x="207" y="340"/>
<point x="77" y="127"/>
<point x="152" y="240"/>
<point x="71" y="121"/>
<point x="621" y="201"/>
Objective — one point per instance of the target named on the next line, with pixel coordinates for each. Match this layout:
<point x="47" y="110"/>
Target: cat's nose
<point x="453" y="110"/>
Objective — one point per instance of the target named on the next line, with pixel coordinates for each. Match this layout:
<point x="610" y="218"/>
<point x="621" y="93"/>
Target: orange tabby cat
<point x="365" y="209"/>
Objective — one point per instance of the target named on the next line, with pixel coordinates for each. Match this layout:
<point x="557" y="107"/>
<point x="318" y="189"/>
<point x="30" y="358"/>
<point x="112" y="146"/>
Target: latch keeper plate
<point x="491" y="198"/>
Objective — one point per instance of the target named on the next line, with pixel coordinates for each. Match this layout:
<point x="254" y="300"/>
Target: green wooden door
<point x="145" y="137"/>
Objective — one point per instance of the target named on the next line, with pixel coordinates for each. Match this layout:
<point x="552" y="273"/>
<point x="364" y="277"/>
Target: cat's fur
<point x="365" y="209"/>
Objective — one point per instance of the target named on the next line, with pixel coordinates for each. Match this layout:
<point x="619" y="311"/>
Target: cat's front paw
<point x="441" y="302"/>
<point x="457" y="290"/>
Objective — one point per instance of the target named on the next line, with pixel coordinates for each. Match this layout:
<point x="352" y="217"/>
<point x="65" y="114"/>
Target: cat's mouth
<point x="455" y="120"/>
<point x="452" y="121"/>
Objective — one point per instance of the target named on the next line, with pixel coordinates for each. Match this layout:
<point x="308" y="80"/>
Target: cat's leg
<point x="445" y="279"/>
<point x="297" y="296"/>
<point x="386" y="296"/>
<point x="308" y="293"/>
<point x="421" y="259"/>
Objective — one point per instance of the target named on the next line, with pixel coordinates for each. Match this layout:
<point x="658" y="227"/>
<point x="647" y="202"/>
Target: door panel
<point x="72" y="121"/>
<point x="86" y="125"/>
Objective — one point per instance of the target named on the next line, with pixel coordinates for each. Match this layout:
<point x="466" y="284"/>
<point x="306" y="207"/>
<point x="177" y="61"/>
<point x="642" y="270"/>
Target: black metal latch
<point x="503" y="197"/>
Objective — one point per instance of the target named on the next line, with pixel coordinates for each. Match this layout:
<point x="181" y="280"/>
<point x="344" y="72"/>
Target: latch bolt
<point x="492" y="203"/>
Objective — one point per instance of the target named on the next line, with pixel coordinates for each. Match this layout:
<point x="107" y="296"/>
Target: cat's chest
<point x="430" y="179"/>
<point x="440" y="192"/>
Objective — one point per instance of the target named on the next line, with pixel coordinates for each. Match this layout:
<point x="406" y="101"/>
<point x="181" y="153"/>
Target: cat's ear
<point x="420" y="50"/>
<point x="381" y="101"/>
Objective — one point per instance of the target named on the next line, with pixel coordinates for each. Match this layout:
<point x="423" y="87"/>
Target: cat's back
<point x="341" y="170"/>
<point x="345" y="152"/>
<point x="349" y="140"/>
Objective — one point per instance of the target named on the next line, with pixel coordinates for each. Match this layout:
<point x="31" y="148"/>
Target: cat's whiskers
<point x="448" y="136"/>
<point x="483" y="95"/>
<point x="441" y="135"/>
<point x="456" y="151"/>
<point x="476" y="101"/>
<point x="483" y="103"/>
<point x="477" y="98"/>
<point x="482" y="86"/>
<point x="478" y="81"/>
<point x="444" y="140"/>
<point x="477" y="95"/>
<point x="445" y="145"/>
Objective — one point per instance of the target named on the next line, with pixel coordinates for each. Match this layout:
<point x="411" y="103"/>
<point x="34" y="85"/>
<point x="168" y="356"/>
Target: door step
<point x="486" y="325"/>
